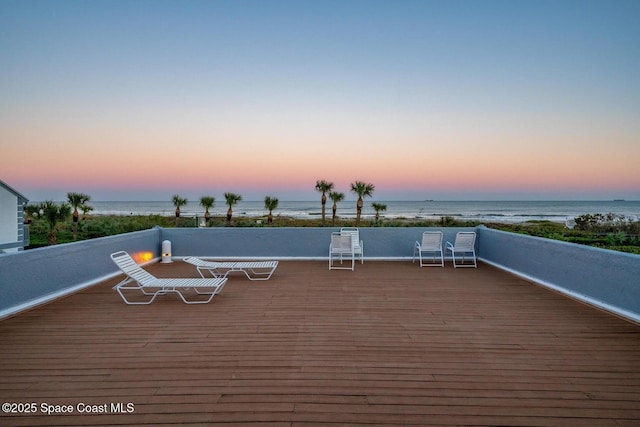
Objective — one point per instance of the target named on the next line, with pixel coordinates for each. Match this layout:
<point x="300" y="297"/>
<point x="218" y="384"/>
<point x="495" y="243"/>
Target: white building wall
<point x="8" y="218"/>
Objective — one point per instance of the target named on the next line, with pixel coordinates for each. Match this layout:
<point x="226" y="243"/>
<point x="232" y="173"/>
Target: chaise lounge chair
<point x="140" y="280"/>
<point x="254" y="270"/>
<point x="431" y="244"/>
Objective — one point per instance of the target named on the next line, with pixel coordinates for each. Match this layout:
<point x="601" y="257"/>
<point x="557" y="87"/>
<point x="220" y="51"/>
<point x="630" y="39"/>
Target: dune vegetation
<point x="604" y="231"/>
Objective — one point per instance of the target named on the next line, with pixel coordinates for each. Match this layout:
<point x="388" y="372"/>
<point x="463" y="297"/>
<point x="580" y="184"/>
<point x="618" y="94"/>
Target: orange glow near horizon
<point x="443" y="163"/>
<point x="273" y="175"/>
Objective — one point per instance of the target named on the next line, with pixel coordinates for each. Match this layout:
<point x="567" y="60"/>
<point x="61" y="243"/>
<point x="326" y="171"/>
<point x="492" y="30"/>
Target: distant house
<point x="14" y="235"/>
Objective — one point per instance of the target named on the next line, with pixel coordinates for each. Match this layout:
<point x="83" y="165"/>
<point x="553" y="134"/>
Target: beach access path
<point x="389" y="344"/>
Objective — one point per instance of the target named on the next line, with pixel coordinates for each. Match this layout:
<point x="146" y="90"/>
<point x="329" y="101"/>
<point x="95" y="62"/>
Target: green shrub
<point x="605" y="231"/>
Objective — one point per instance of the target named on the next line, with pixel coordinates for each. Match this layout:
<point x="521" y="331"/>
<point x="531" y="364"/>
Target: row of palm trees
<point x="54" y="213"/>
<point x="362" y="189"/>
<point x="207" y="202"/>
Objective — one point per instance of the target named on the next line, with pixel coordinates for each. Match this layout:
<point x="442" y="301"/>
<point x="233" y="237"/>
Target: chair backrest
<point x="354" y="232"/>
<point x="431" y="240"/>
<point x="341" y="243"/>
<point x="129" y="267"/>
<point x="465" y="240"/>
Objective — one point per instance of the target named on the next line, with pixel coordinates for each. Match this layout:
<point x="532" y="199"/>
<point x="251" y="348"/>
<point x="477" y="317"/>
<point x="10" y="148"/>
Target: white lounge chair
<point x="140" y="280"/>
<point x="341" y="247"/>
<point x="463" y="248"/>
<point x="254" y="270"/>
<point x="431" y="244"/>
<point x="358" y="245"/>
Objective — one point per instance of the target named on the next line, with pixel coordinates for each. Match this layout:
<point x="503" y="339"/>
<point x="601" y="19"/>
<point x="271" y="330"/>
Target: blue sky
<point x="424" y="99"/>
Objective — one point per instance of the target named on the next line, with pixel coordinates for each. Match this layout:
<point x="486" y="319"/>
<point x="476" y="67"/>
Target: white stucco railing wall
<point x="603" y="278"/>
<point x="36" y="276"/>
<point x="606" y="279"/>
<point x="311" y="243"/>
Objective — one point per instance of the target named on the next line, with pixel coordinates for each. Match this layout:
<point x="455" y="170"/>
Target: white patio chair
<point x="358" y="245"/>
<point x="254" y="270"/>
<point x="140" y="280"/>
<point x="341" y="247"/>
<point x="431" y="244"/>
<point x="463" y="248"/>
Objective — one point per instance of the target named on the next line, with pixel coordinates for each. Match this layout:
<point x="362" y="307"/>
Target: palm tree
<point x="77" y="200"/>
<point x="324" y="187"/>
<point x="207" y="202"/>
<point x="336" y="197"/>
<point x="270" y="203"/>
<point x="178" y="202"/>
<point x="53" y="213"/>
<point x="85" y="209"/>
<point x="232" y="199"/>
<point x="378" y="207"/>
<point x="362" y="189"/>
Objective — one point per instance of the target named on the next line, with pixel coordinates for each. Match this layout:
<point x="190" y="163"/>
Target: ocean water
<point x="483" y="211"/>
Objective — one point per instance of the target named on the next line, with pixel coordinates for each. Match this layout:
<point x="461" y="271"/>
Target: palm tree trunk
<point x="229" y="215"/>
<point x="333" y="217"/>
<point x="75" y="224"/>
<point x="358" y="211"/>
<point x="324" y="204"/>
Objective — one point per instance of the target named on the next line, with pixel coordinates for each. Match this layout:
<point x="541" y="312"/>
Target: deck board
<point x="388" y="344"/>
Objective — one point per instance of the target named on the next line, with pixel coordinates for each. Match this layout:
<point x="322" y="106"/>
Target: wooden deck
<point x="388" y="344"/>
